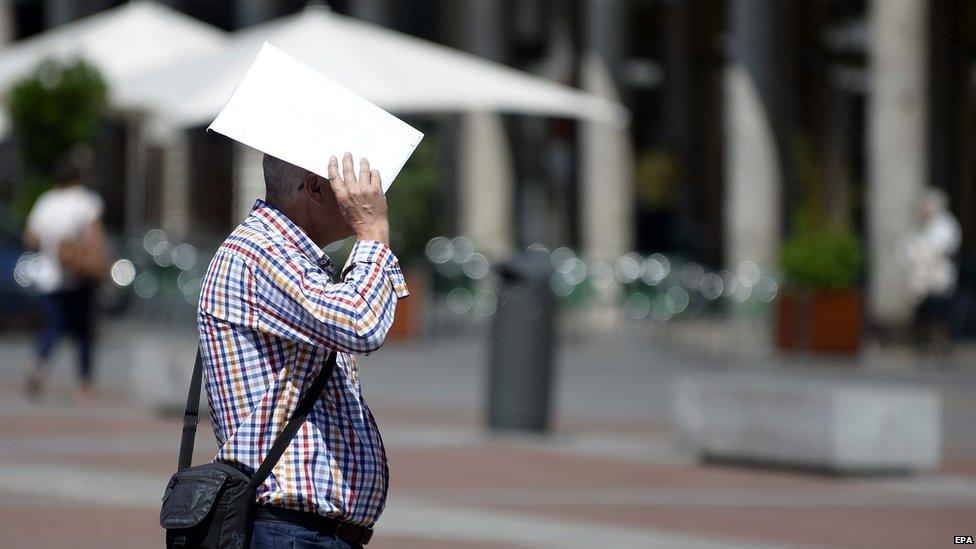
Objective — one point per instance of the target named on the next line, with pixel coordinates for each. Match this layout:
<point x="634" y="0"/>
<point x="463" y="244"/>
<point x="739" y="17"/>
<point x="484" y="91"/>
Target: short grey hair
<point x="281" y="180"/>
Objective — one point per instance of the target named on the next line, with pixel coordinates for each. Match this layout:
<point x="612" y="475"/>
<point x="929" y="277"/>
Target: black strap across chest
<point x="191" y="417"/>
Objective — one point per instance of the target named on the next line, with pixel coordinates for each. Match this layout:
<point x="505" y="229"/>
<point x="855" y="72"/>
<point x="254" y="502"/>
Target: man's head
<point x="306" y="198"/>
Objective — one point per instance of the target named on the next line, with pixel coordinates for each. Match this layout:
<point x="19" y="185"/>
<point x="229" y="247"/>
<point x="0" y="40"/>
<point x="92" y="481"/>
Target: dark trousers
<point x="68" y="312"/>
<point x="275" y="535"/>
<point x="932" y="325"/>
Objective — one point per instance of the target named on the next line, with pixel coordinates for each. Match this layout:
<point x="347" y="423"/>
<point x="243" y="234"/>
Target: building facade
<point x="746" y="115"/>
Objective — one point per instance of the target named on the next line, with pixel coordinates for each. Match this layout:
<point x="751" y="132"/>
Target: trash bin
<point x="520" y="354"/>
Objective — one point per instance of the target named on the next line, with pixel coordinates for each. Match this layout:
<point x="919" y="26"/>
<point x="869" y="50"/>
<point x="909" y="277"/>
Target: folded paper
<point x="291" y="111"/>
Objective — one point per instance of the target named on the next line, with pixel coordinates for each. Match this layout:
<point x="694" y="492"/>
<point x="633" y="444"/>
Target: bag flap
<point x="190" y="495"/>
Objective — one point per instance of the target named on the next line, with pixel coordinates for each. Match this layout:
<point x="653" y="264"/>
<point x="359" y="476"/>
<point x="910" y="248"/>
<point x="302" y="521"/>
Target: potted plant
<point x="821" y="308"/>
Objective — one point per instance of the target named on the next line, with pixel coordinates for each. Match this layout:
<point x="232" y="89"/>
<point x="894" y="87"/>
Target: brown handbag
<point x="84" y="257"/>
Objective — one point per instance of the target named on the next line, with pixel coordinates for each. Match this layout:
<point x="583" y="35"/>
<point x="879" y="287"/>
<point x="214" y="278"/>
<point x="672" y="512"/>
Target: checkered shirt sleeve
<point x="296" y="301"/>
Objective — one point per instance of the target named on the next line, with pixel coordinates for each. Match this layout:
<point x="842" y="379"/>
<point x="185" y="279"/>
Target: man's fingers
<point x="347" y="172"/>
<point x="374" y="179"/>
<point x="363" y="172"/>
<point x="333" y="168"/>
<point x="334" y="181"/>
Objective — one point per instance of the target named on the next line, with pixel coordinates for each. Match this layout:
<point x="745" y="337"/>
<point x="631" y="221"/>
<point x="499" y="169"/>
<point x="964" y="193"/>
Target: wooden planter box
<point x="408" y="319"/>
<point x="826" y="321"/>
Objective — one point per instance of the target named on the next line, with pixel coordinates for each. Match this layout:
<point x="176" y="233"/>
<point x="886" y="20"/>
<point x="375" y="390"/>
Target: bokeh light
<point x="123" y="272"/>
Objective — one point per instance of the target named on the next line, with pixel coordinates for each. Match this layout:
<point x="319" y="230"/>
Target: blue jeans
<point x="68" y="312"/>
<point x="278" y="535"/>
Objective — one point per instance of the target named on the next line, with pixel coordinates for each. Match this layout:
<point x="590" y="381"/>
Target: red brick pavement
<point x="499" y="474"/>
<point x="58" y="526"/>
<point x="843" y="527"/>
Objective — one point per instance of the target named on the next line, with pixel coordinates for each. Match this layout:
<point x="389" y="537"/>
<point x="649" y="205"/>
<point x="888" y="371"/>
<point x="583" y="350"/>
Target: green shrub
<point x="54" y="109"/>
<point x="827" y="259"/>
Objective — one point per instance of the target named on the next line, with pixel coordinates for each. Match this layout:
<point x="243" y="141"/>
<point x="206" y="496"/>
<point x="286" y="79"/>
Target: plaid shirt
<point x="269" y="315"/>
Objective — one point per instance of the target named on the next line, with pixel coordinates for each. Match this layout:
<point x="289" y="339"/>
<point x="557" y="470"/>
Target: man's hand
<point x="362" y="202"/>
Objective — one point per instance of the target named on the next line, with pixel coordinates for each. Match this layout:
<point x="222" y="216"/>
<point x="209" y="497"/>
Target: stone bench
<point x="846" y="427"/>
<point x="161" y="365"/>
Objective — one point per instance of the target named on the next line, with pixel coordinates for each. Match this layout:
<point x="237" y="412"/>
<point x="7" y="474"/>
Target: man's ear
<point x="315" y="188"/>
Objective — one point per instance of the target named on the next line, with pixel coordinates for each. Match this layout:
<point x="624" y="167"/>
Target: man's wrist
<point x="378" y="232"/>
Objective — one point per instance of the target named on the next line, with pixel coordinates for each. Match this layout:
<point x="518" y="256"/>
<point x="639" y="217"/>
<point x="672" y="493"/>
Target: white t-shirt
<point x="60" y="214"/>
<point x="929" y="253"/>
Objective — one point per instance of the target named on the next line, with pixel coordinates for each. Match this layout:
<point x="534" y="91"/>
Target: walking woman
<point x="65" y="227"/>
<point x="932" y="275"/>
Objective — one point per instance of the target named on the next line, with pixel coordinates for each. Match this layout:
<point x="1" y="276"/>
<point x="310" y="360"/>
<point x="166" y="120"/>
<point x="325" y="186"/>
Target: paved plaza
<point x="87" y="475"/>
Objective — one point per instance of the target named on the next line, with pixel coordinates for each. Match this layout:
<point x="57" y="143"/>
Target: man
<point x="272" y="307"/>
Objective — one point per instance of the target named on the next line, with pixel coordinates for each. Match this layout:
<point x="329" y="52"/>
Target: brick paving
<point x="609" y="476"/>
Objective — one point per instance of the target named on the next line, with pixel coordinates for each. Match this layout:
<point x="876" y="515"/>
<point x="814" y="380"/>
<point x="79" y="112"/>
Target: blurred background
<point x="684" y="273"/>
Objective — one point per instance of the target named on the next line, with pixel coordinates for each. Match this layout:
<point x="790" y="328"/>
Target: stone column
<point x="59" y="12"/>
<point x="136" y="183"/>
<point x="759" y="123"/>
<point x="896" y="128"/>
<point x="374" y="11"/>
<point x="487" y="181"/>
<point x="248" y="180"/>
<point x="6" y="35"/>
<point x="606" y="160"/>
<point x="6" y="22"/>
<point x="252" y="12"/>
<point x="176" y="191"/>
<point x="486" y="172"/>
<point x="752" y="194"/>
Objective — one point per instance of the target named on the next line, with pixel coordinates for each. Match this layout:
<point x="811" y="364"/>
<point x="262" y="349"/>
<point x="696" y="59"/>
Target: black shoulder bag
<point x="211" y="506"/>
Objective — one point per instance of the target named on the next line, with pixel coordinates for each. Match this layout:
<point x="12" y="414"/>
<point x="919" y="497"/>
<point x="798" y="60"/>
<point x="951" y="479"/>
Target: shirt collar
<point x="278" y="222"/>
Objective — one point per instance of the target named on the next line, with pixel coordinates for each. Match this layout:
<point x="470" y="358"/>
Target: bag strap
<point x="311" y="395"/>
<point x="191" y="414"/>
<point x="191" y="417"/>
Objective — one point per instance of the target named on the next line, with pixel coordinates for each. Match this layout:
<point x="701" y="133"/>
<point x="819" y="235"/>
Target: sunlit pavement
<point x="91" y="474"/>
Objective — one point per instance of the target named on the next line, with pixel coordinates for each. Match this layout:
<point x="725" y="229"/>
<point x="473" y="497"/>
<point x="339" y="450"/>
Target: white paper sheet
<point x="289" y="110"/>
